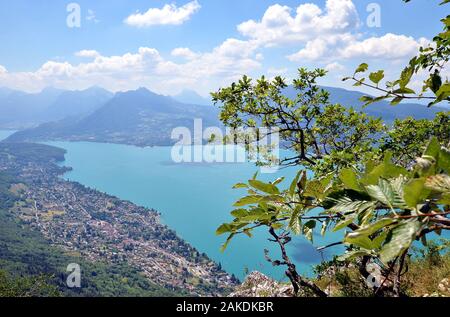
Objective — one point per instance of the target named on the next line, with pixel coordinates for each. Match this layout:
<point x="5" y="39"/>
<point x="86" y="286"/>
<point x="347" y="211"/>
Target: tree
<point x="32" y="286"/>
<point x="366" y="177"/>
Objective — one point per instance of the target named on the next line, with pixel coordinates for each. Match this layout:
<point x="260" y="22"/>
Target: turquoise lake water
<point x="194" y="199"/>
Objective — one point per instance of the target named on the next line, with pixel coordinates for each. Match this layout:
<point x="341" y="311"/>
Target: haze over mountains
<point x="139" y="117"/>
<point x="20" y="110"/>
<point x="191" y="97"/>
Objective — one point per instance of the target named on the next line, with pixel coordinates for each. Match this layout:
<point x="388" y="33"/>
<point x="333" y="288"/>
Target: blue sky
<point x="203" y="44"/>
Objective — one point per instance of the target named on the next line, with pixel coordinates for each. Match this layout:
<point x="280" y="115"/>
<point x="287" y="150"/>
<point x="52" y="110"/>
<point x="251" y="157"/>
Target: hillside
<point x="138" y="117"/>
<point x="191" y="97"/>
<point x="123" y="249"/>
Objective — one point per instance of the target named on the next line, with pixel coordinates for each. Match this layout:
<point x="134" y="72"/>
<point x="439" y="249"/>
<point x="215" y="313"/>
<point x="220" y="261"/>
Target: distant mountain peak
<point x="51" y="90"/>
<point x="192" y="97"/>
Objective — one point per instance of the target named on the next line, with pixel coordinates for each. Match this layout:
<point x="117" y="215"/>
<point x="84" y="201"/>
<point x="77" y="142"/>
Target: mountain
<point x="138" y="117"/>
<point x="191" y="97"/>
<point x="381" y="109"/>
<point x="20" y="110"/>
<point x="76" y="103"/>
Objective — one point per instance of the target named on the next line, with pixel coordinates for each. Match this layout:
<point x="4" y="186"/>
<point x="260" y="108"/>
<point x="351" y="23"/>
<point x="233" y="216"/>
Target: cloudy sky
<point x="168" y="46"/>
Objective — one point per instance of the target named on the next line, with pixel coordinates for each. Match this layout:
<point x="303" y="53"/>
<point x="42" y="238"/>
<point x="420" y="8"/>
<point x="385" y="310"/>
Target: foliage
<point x="33" y="286"/>
<point x="404" y="137"/>
<point x="389" y="205"/>
<point x="426" y="270"/>
<point x="387" y="186"/>
<point x="324" y="136"/>
<point x="365" y="178"/>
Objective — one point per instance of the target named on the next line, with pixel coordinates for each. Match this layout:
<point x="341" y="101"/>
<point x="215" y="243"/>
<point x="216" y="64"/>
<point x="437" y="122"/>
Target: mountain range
<point x="141" y="117"/>
<point x="19" y="110"/>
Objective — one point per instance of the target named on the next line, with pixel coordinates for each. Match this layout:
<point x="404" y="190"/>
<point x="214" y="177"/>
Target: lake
<point x="194" y="199"/>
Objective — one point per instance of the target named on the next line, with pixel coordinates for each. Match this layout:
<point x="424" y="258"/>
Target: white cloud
<point x="313" y="50"/>
<point x="391" y="46"/>
<point x="184" y="52"/>
<point x="170" y="14"/>
<point x="325" y="35"/>
<point x="280" y="26"/>
<point x="87" y="53"/>
<point x="335" y="66"/>
<point x="201" y="71"/>
<point x="2" y="70"/>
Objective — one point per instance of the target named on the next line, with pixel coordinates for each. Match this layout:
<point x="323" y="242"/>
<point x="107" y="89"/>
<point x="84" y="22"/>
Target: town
<point x="100" y="227"/>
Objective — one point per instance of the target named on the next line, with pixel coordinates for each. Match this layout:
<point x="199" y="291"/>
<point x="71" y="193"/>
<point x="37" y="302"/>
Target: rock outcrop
<point x="259" y="285"/>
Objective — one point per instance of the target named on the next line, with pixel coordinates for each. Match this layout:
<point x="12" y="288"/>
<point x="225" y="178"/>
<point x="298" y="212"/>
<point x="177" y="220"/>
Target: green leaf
<point x="445" y="199"/>
<point x="433" y="148"/>
<point x="402" y="237"/>
<point x="349" y="178"/>
<point x="278" y="180"/>
<point x="404" y="90"/>
<point x="248" y="200"/>
<point x="277" y="225"/>
<point x="238" y="213"/>
<point x="415" y="192"/>
<point x="443" y="92"/>
<point x="362" y="68"/>
<point x="224" y="228"/>
<point x="240" y="185"/>
<point x="343" y="223"/>
<point x="295" y="223"/>
<point x="294" y="183"/>
<point x="359" y="240"/>
<point x="385" y="170"/>
<point x="376" y="77"/>
<point x="372" y="228"/>
<point x="380" y="239"/>
<point x="225" y="245"/>
<point x="264" y="187"/>
<point x="383" y="192"/>
<point x="444" y="160"/>
<point x="396" y="101"/>
<point x="405" y="76"/>
<point x="308" y="229"/>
